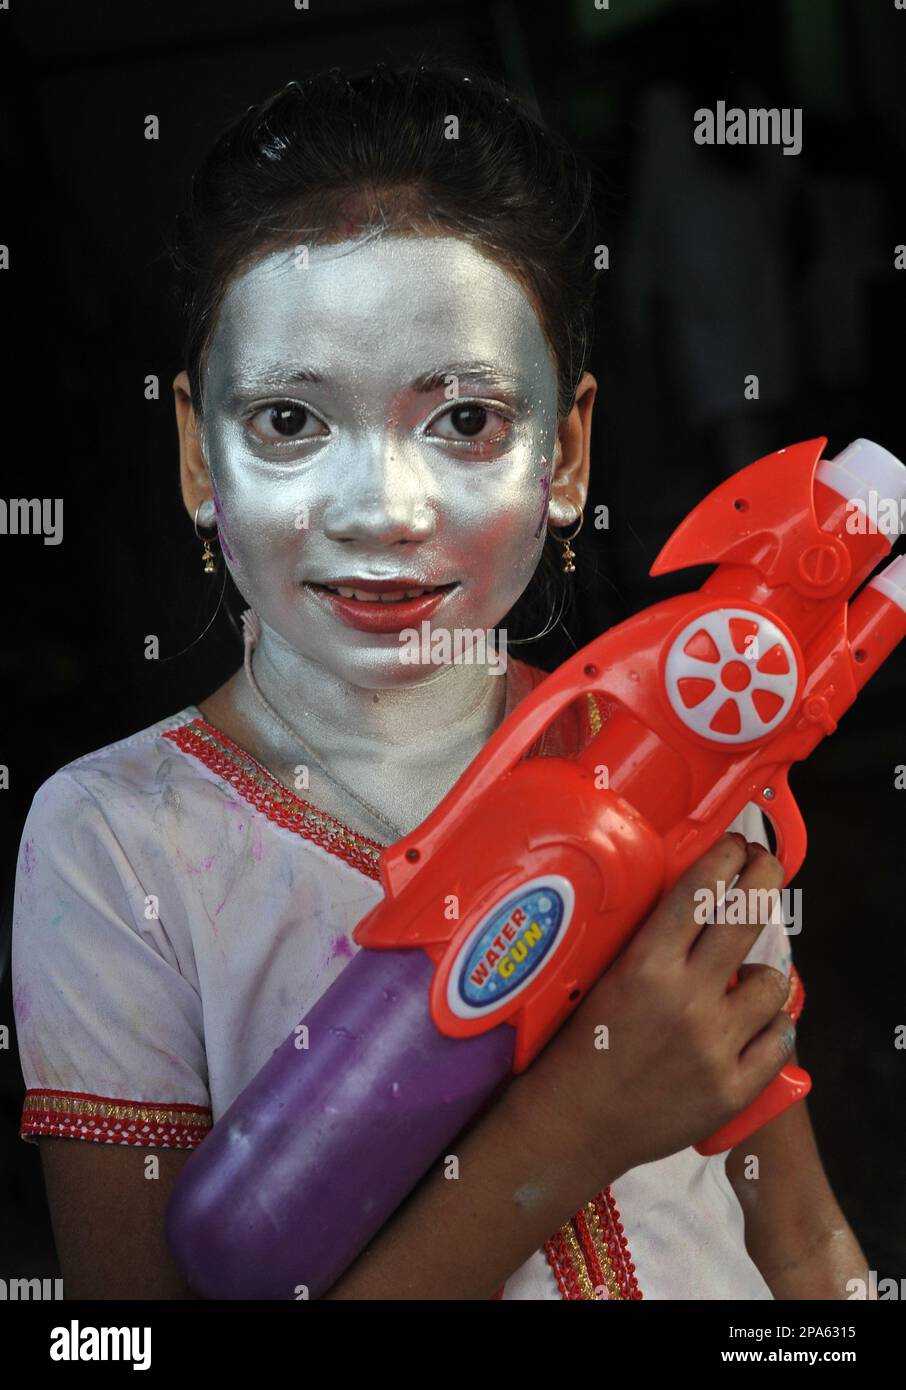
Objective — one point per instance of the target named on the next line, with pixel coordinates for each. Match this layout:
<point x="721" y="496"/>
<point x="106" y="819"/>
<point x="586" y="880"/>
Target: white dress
<point x="178" y="911"/>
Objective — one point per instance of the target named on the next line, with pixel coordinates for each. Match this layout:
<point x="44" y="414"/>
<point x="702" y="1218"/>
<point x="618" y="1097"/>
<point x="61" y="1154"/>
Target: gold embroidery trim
<point x="575" y="1250"/>
<point x="266" y="781"/>
<point x="44" y="1102"/>
<point x="593" y="1221"/>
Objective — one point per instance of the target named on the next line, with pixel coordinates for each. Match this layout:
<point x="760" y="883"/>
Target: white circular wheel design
<point x="731" y="675"/>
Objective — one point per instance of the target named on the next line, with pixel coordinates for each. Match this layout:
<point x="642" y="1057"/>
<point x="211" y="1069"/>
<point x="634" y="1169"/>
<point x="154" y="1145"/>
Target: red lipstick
<point x="375" y="615"/>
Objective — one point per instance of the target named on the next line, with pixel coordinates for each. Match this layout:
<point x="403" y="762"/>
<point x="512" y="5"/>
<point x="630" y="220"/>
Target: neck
<point x="453" y="709"/>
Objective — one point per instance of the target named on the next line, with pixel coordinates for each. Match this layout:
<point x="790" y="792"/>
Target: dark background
<point x="723" y="262"/>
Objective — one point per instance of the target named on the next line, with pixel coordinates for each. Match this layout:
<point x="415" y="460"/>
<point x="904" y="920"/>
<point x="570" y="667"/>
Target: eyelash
<point x="470" y="445"/>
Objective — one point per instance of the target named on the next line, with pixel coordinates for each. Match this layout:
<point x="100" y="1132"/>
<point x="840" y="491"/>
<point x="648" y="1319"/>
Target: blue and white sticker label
<point x="506" y="948"/>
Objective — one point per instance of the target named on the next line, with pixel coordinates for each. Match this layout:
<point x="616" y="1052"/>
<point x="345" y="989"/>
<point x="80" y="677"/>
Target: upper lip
<point x="379" y="586"/>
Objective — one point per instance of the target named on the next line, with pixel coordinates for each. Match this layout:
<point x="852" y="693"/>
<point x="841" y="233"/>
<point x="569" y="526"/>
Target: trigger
<point x="777" y="802"/>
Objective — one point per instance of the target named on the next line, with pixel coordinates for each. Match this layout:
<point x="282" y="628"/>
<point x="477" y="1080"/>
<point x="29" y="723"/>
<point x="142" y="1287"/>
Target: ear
<point x="572" y="460"/>
<point x="194" y="479"/>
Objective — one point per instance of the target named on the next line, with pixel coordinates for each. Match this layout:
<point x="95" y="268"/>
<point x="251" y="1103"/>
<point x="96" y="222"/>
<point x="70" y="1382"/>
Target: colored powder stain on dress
<point x="203" y="866"/>
<point x="28" y="856"/>
<point x="200" y="868"/>
<point x="341" y="947"/>
<point x="257" y="845"/>
<point x="238" y="813"/>
<point x="22" y="1004"/>
<point x="55" y="921"/>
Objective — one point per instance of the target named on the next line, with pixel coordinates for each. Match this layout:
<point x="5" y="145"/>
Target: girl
<point x="388" y="286"/>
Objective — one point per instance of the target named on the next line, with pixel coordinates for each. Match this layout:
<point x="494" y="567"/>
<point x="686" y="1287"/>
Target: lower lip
<point x="378" y="616"/>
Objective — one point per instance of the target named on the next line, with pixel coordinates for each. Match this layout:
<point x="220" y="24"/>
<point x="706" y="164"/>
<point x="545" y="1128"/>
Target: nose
<point x="381" y="499"/>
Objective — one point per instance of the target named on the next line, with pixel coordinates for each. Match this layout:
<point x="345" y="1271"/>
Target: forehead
<point x="388" y="299"/>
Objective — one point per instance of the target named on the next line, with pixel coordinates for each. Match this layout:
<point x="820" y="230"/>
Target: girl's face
<point x="385" y="412"/>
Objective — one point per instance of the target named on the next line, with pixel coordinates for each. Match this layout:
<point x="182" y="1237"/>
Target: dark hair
<point x="333" y="150"/>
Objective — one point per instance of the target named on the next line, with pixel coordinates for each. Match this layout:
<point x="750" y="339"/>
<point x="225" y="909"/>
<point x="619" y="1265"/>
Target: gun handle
<point x="790" y="1085"/>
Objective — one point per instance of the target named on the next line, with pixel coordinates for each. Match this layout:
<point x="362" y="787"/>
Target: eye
<point x="286" y="420"/>
<point x="473" y="424"/>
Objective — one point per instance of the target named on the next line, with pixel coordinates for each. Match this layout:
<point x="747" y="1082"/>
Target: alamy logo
<point x="75" y="1343"/>
<point x="460" y="646"/>
<point x="32" y="516"/>
<point x="878" y="1290"/>
<point x="780" y="907"/>
<point x="756" y="126"/>
<point x="885" y="514"/>
<point x="30" y="1290"/>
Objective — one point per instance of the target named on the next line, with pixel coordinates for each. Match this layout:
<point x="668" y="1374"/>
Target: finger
<point x="754" y="1003"/>
<point x="672" y="927"/>
<point x="764" y="1056"/>
<point x="738" y="916"/>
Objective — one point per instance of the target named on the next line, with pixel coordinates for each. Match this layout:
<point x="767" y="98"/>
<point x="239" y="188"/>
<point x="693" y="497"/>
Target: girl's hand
<point x="683" y="1055"/>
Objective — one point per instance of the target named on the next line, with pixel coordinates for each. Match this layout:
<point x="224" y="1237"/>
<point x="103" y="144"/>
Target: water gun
<point x="506" y="904"/>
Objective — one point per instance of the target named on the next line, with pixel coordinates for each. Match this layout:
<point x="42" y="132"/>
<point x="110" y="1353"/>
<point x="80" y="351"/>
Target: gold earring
<point x="207" y="554"/>
<point x="568" y="553"/>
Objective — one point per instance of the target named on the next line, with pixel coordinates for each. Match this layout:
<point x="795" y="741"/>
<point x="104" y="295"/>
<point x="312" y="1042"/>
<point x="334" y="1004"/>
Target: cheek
<point x="505" y="552"/>
<point x="258" y="527"/>
<point x="512" y="518"/>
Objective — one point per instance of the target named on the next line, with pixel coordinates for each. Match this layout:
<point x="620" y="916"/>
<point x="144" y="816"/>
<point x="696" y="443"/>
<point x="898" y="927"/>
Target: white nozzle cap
<point x="891" y="581"/>
<point x="863" y="468"/>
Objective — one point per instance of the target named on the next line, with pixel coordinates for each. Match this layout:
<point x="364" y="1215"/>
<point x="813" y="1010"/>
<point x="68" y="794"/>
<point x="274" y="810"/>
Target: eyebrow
<point x="277" y="374"/>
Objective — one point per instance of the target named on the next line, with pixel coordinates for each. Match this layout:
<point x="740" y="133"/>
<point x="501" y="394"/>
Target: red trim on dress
<point x="590" y="1257"/>
<point x="561" y="1262"/>
<point x="256" y="785"/>
<point x="113" y="1120"/>
<point x="618" y="1246"/>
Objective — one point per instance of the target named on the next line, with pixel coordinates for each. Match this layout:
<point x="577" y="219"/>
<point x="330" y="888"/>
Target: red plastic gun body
<point x="527" y="880"/>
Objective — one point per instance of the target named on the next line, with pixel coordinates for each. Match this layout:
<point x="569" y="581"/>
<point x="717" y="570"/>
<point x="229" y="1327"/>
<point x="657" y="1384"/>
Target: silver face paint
<point x="358" y="473"/>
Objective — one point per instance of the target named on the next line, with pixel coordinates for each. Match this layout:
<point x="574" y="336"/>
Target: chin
<point x="389" y="674"/>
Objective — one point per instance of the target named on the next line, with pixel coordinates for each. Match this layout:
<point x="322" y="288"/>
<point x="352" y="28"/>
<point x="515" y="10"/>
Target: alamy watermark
<point x="78" y="1343"/>
<point x="746" y="906"/>
<point x="32" y="516"/>
<point x="461" y="646"/>
<point x="30" y="1290"/>
<point x="886" y="514"/>
<point x="757" y="125"/>
<point x="875" y="1289"/>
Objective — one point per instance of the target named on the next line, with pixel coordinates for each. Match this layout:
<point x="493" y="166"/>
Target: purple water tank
<point x="322" y="1146"/>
